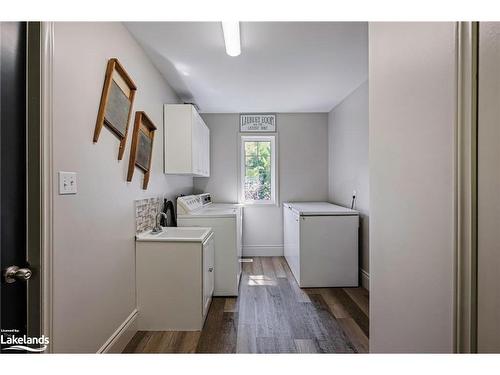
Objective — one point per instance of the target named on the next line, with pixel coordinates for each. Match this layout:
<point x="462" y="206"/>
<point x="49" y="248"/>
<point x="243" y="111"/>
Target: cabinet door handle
<point x="210" y="269"/>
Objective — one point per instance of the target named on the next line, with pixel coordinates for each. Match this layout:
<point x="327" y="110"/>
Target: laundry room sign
<point x="255" y="123"/>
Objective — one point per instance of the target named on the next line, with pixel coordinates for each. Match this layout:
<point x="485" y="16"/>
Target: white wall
<point x="412" y="97"/>
<point x="348" y="162"/>
<point x="94" y="252"/>
<point x="302" y="167"/>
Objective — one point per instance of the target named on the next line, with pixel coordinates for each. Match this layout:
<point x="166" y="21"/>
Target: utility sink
<point x="176" y="234"/>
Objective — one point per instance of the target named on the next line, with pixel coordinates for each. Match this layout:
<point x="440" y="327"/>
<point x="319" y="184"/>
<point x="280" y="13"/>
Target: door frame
<point x="47" y="176"/>
<point x="465" y="185"/>
<point x="465" y="191"/>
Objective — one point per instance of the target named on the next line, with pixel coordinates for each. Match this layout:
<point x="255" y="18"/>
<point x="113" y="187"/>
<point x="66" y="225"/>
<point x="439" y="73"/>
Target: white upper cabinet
<point x="186" y="141"/>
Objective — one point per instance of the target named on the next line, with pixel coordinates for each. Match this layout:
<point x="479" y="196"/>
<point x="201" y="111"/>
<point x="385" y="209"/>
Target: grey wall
<point x="348" y="162"/>
<point x="302" y="168"/>
<point x="488" y="329"/>
<point x="93" y="231"/>
<point x="412" y="107"/>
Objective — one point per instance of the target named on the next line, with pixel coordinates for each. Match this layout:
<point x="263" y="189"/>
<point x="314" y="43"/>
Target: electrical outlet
<point x="67" y="183"/>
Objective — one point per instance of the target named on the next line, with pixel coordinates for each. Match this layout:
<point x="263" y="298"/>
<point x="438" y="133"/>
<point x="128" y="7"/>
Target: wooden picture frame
<point x="141" y="152"/>
<point x="115" y="108"/>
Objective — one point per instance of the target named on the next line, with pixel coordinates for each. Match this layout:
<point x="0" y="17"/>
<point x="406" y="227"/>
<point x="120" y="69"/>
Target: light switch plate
<point x="67" y="183"/>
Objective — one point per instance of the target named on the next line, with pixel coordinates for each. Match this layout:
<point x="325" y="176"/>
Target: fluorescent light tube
<point x="231" y="31"/>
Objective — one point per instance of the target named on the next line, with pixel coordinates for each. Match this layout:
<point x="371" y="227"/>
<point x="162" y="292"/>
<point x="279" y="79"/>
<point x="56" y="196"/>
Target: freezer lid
<point x="318" y="209"/>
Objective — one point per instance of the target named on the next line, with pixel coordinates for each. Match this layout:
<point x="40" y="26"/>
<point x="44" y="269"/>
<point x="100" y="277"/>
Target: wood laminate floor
<point x="272" y="315"/>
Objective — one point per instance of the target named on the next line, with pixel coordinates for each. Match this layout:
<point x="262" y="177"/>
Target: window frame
<point x="244" y="137"/>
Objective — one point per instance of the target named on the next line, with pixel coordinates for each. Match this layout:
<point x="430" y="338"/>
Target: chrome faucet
<point x="158" y="229"/>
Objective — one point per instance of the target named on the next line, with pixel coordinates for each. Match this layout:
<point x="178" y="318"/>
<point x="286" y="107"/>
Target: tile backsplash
<point x="145" y="213"/>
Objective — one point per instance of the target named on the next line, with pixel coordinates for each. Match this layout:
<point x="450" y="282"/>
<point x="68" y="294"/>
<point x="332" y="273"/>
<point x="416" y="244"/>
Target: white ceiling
<point x="283" y="66"/>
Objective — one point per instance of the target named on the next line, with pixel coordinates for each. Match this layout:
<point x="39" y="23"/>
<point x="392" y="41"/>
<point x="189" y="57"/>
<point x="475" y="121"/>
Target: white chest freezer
<point x="321" y="244"/>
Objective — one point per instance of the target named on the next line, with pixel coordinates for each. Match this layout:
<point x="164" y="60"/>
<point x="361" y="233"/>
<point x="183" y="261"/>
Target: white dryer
<point x="226" y="221"/>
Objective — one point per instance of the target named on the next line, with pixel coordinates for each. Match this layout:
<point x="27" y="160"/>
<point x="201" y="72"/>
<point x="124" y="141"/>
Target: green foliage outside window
<point x="257" y="170"/>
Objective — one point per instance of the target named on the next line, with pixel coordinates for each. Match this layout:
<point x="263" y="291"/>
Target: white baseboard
<point x="365" y="279"/>
<point x="121" y="337"/>
<point x="263" y="251"/>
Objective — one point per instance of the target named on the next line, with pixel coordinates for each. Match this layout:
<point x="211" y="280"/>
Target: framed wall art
<point x="141" y="151"/>
<point x="117" y="99"/>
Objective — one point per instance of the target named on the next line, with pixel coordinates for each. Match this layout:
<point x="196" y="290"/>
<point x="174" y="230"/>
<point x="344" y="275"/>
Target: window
<point x="258" y="170"/>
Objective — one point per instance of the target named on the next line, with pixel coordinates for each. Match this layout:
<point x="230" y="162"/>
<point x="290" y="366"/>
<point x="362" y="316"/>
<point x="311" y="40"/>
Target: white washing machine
<point x="226" y="220"/>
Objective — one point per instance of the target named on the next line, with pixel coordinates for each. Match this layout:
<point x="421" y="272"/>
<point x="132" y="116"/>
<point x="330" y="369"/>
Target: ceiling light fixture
<point x="231" y="31"/>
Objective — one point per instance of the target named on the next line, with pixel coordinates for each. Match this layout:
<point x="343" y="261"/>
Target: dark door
<point x="13" y="189"/>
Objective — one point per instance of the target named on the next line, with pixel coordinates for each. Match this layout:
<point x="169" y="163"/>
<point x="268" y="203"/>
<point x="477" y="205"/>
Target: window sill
<point x="260" y="204"/>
